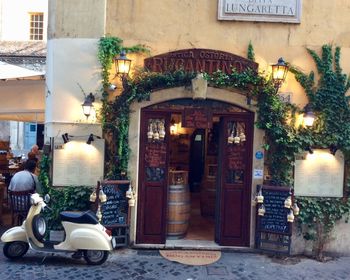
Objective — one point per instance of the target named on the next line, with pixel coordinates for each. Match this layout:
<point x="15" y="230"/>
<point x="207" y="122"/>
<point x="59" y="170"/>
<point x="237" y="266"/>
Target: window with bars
<point x="36" y="31"/>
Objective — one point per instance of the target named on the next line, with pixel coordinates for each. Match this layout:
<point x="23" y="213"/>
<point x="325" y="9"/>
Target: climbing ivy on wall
<point x="283" y="139"/>
<point x="332" y="129"/>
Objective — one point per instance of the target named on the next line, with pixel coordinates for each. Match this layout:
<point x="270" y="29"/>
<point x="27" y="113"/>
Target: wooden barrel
<point x="179" y="211"/>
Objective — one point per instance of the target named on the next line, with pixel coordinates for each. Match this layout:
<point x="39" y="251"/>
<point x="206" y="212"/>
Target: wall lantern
<point x="309" y="116"/>
<point x="279" y="73"/>
<point x="122" y="65"/>
<point x="87" y="105"/>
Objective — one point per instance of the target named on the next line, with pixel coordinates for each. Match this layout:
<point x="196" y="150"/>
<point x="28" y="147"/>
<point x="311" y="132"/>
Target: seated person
<point x="25" y="180"/>
<point x="34" y="152"/>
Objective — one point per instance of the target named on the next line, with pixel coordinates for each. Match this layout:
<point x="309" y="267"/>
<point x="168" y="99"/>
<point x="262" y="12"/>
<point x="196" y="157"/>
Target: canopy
<point x="9" y="71"/>
<point x="22" y="100"/>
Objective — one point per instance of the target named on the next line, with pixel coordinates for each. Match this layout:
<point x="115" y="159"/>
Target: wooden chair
<point x="19" y="205"/>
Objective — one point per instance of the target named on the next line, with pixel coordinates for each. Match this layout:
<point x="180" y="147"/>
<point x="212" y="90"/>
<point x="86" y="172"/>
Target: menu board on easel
<point x="115" y="209"/>
<point x="275" y="217"/>
<point x="197" y="118"/>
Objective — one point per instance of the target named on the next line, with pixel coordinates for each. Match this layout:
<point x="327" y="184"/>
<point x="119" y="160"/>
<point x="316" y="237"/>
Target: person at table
<point x="26" y="180"/>
<point x="34" y="153"/>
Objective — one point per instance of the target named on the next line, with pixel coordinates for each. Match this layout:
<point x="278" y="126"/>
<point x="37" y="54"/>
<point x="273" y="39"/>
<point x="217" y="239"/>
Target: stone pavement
<point x="148" y="264"/>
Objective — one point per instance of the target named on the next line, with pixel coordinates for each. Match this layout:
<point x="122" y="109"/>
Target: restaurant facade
<point x="196" y="157"/>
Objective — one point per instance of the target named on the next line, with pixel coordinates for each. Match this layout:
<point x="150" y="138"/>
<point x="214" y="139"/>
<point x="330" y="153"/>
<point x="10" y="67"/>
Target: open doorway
<point x="193" y="163"/>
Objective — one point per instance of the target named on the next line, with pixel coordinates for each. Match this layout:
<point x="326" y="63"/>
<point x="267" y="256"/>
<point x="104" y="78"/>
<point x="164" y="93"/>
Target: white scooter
<point x="84" y="235"/>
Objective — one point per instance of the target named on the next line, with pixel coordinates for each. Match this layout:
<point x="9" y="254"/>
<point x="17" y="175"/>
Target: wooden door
<point x="234" y="180"/>
<point x="152" y="193"/>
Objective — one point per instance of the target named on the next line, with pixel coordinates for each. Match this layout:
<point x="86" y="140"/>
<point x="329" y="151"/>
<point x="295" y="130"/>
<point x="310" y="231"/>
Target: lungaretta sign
<point x="260" y="10"/>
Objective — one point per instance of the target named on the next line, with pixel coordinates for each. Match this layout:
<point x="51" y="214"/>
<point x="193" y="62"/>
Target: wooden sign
<point x="115" y="209"/>
<point x="275" y="218"/>
<point x="197" y="118"/>
<point x="198" y="60"/>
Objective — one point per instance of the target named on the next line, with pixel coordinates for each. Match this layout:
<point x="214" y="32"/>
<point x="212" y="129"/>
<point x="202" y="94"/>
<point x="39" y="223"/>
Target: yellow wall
<point x="172" y="25"/>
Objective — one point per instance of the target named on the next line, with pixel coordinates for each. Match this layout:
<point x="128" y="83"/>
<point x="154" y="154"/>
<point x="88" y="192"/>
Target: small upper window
<point x="36" y="31"/>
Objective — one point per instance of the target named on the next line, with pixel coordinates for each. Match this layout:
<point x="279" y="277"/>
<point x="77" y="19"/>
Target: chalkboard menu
<point x="275" y="218"/>
<point x="115" y="209"/>
<point x="197" y="118"/>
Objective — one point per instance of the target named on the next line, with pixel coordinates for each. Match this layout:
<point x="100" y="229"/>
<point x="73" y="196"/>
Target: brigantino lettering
<point x="262" y="7"/>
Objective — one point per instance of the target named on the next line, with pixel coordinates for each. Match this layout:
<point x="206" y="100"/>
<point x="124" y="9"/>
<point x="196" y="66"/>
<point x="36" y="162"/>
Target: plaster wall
<point x="76" y="19"/>
<point x="231" y="97"/>
<point x="15" y="19"/>
<point x="71" y="62"/>
<point x="167" y="25"/>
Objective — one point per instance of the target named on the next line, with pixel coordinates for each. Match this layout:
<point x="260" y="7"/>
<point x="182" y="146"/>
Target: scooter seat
<point x="87" y="217"/>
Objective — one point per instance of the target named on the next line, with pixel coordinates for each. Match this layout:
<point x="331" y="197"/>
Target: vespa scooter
<point x="84" y="235"/>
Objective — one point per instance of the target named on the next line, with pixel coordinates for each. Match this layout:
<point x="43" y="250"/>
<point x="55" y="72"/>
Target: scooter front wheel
<point x="15" y="250"/>
<point x="95" y="257"/>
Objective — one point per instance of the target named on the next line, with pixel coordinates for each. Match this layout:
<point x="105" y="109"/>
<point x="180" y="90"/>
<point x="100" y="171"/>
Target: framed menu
<point x="78" y="164"/>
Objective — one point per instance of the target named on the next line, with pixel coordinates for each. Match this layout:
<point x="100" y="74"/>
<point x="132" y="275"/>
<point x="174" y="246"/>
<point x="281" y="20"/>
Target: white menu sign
<point x="320" y="174"/>
<point x="78" y="164"/>
<point x="260" y="10"/>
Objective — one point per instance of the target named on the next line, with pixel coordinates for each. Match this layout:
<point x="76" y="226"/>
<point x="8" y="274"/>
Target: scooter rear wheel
<point x="95" y="257"/>
<point x="15" y="250"/>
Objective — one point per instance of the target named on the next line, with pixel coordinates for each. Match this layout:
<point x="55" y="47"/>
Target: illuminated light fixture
<point x="65" y="138"/>
<point x="333" y="149"/>
<point x="122" y="65"/>
<point x="87" y="105"/>
<point x="309" y="149"/>
<point x="279" y="73"/>
<point x="91" y="138"/>
<point x="173" y="127"/>
<point x="309" y="116"/>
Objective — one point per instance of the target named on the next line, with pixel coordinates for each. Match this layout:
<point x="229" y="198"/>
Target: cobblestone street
<point x="146" y="265"/>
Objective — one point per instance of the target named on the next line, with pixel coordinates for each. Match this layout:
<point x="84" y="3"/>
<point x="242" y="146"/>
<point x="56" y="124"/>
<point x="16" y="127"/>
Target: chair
<point x="19" y="205"/>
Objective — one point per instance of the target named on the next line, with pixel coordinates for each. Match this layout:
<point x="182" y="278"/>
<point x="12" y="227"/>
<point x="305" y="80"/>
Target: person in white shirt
<point x="26" y="180"/>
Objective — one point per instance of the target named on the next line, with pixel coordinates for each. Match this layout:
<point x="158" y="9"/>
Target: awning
<point x="9" y="71"/>
<point x="22" y="100"/>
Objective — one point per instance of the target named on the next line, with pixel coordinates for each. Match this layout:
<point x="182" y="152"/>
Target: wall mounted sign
<point x="197" y="118"/>
<point x="78" y="164"/>
<point x="319" y="174"/>
<point x="259" y="155"/>
<point x="198" y="60"/>
<point x="260" y="10"/>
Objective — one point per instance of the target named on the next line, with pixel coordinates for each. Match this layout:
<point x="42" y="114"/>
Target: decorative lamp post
<point x="279" y="73"/>
<point x="309" y="116"/>
<point x="87" y="105"/>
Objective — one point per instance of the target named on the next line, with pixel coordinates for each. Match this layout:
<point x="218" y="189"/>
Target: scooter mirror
<point x="47" y="198"/>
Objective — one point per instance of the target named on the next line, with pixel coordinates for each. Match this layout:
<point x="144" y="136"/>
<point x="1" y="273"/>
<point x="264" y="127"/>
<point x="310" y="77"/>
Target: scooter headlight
<point x="39" y="227"/>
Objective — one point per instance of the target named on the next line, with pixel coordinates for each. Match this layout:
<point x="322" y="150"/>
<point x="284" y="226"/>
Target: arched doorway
<point x="211" y="147"/>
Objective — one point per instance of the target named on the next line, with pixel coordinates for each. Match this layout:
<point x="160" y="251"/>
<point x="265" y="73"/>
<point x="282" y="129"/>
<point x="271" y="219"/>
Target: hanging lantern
<point x="161" y="131"/>
<point x="290" y="217"/>
<point x="288" y="202"/>
<point x="230" y="138"/>
<point x="259" y="197"/>
<point x="102" y="196"/>
<point x="296" y="209"/>
<point x="236" y="139"/>
<point x="150" y="132"/>
<point x="309" y="116"/>
<point x="261" y="210"/>
<point x="129" y="192"/>
<point x="122" y="64"/>
<point x="93" y="196"/>
<point x="242" y="137"/>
